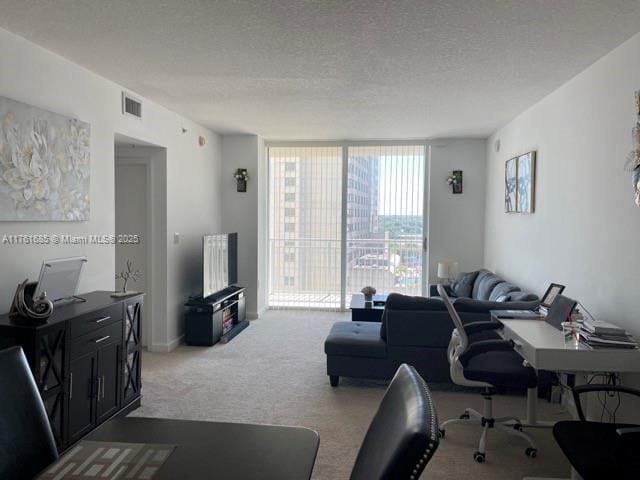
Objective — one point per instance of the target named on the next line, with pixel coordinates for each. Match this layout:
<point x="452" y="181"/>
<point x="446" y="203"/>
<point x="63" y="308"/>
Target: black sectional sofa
<point x="416" y="330"/>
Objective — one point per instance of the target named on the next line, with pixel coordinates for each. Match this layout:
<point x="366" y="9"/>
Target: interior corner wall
<point x="242" y="212"/>
<point x="456" y="221"/>
<point x="586" y="228"/>
<point x="33" y="75"/>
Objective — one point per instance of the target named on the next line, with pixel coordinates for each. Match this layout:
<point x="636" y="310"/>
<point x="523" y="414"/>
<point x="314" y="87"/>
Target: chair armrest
<point x="593" y="387"/>
<point x="433" y="290"/>
<point x="484" y="346"/>
<point x="477" y="327"/>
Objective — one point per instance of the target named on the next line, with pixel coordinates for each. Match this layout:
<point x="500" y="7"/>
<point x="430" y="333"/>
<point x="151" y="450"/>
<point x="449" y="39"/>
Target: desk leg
<point x="532" y="412"/>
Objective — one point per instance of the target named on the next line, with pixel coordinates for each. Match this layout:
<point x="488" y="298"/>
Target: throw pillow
<point x="463" y="285"/>
<point x="503" y="298"/>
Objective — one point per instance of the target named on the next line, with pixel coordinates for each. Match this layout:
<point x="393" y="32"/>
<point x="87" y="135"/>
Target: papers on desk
<point x="516" y="314"/>
<point x="109" y="461"/>
<point x="599" y="334"/>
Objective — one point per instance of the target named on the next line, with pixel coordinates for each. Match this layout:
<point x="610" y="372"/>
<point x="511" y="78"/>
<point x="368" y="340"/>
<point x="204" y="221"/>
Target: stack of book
<point x="599" y="334"/>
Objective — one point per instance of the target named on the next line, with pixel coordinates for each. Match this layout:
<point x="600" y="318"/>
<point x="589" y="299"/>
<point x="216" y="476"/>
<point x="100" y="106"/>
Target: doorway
<point x="140" y="223"/>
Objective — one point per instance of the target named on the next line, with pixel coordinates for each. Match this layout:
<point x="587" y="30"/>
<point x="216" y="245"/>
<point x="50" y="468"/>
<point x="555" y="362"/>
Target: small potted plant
<point x="368" y="293"/>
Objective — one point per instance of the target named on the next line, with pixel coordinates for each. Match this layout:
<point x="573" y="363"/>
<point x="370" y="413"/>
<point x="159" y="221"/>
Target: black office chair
<point x="600" y="450"/>
<point x="489" y="364"/>
<point x="27" y="445"/>
<point x="403" y="434"/>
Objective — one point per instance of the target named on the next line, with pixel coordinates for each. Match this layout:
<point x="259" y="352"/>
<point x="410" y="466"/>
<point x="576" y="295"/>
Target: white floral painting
<point x="45" y="165"/>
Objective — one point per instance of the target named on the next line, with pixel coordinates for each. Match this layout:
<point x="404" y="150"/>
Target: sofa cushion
<point x="485" y="286"/>
<point x="397" y="301"/>
<point x="463" y="285"/>
<point x="524" y="297"/>
<point x="355" y="339"/>
<point x="502" y="289"/>
<point x="476" y="285"/>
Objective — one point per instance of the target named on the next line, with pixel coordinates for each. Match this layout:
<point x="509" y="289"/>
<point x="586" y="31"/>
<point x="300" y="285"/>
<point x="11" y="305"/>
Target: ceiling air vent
<point x="131" y="106"/>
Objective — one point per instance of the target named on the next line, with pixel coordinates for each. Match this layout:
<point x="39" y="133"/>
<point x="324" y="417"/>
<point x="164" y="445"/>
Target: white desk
<point x="543" y="347"/>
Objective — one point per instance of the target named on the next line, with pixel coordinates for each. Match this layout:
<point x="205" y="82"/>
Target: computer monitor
<point x="554" y="290"/>
<point x="59" y="279"/>
<point x="560" y="311"/>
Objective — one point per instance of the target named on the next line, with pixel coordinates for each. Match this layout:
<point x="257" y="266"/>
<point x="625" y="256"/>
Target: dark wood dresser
<point x="86" y="361"/>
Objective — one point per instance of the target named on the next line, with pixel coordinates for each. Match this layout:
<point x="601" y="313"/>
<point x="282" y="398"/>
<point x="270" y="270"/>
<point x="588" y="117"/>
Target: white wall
<point x="245" y="213"/>
<point x="456" y="222"/>
<point x="33" y="75"/>
<point x="586" y="229"/>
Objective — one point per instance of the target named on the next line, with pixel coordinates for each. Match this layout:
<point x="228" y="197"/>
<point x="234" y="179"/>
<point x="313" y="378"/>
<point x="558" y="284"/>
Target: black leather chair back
<point x="27" y="445"/>
<point x="403" y="435"/>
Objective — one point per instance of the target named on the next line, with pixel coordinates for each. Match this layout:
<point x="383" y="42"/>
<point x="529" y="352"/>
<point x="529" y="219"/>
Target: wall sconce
<point x="455" y="181"/>
<point x="242" y="176"/>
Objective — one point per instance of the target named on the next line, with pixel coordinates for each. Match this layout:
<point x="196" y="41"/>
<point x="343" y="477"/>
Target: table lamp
<point x="447" y="270"/>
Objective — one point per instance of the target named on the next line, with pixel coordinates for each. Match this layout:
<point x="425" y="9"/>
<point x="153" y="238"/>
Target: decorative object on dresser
<point x="45" y="164"/>
<point x="216" y="318"/>
<point x="633" y="159"/>
<point x="85" y="360"/>
<point x="520" y="183"/>
<point x="455" y="181"/>
<point x="25" y="307"/>
<point x="59" y="278"/>
<point x="129" y="273"/>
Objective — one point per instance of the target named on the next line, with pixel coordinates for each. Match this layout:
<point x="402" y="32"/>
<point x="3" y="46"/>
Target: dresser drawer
<point x="93" y="321"/>
<point x="94" y="340"/>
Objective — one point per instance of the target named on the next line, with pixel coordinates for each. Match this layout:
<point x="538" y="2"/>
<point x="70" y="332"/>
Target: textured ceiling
<point x="317" y="69"/>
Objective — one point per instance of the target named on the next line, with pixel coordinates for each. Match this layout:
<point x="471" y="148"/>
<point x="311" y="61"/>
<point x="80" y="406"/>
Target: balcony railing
<point x="306" y="272"/>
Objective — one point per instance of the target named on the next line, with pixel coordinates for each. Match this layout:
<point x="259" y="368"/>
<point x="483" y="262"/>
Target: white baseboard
<point x="166" y="347"/>
<point x="256" y="315"/>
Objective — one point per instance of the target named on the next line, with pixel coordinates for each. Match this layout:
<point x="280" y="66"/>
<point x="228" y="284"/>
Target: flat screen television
<point x="219" y="262"/>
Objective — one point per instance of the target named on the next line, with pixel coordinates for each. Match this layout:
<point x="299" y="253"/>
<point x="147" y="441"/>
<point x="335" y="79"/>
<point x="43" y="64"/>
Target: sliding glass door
<point x="341" y="217"/>
<point x="385" y="218"/>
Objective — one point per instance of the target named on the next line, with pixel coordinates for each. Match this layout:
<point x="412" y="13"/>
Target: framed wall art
<point x="45" y="164"/>
<point x="520" y="183"/>
<point x="510" y="185"/>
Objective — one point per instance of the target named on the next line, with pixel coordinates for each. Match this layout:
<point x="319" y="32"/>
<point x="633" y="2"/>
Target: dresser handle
<point x="71" y="385"/>
<point x="99" y="388"/>
<point x="103" y="319"/>
<point x="103" y="387"/>
<point x="102" y="339"/>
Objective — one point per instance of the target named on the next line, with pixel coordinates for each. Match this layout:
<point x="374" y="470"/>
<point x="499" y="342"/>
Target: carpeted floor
<point x="274" y="373"/>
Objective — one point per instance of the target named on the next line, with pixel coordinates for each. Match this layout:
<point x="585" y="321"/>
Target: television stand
<point x="217" y="318"/>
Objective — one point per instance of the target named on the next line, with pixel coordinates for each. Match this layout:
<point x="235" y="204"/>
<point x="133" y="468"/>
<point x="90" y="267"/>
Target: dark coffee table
<point x="362" y="311"/>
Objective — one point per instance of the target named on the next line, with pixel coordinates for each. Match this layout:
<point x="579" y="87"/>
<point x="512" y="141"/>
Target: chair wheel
<point x="464" y="416"/>
<point x="517" y="427"/>
<point x="479" y="457"/>
<point x="441" y="433"/>
<point x="531" y="452"/>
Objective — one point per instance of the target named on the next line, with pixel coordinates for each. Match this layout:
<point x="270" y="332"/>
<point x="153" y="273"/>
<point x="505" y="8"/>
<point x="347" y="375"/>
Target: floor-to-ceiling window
<point x="385" y="220"/>
<point x="341" y="217"/>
